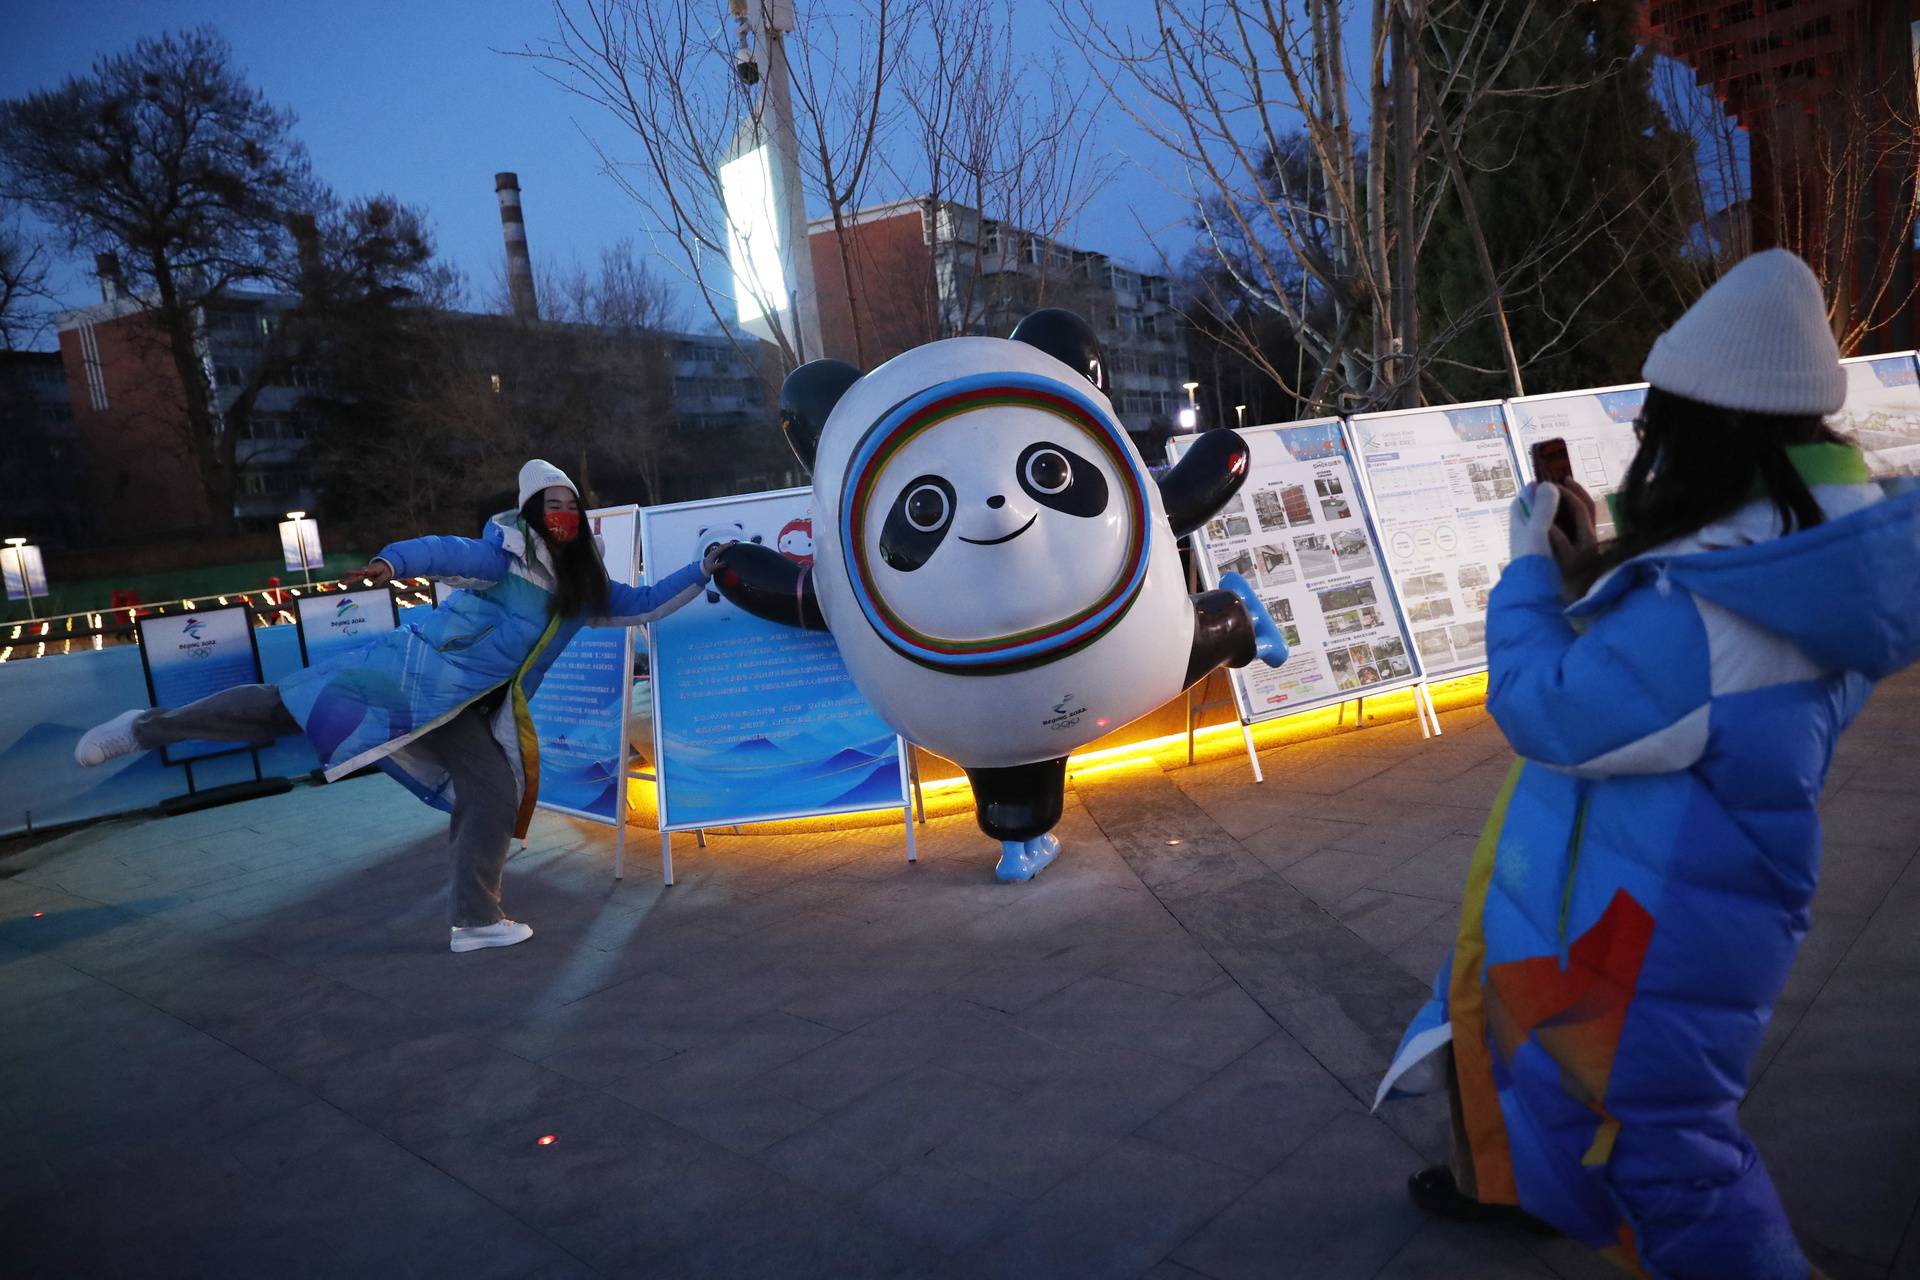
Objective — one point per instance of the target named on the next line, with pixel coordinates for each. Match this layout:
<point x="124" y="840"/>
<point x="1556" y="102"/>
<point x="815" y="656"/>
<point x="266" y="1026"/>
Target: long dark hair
<point x="1699" y="463"/>
<point x="580" y="579"/>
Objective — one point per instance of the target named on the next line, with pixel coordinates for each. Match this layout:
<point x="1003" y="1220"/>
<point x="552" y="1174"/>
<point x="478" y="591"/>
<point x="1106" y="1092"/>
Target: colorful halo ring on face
<point x="942" y="403"/>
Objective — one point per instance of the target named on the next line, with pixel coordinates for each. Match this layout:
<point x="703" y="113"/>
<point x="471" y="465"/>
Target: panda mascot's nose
<point x="997" y="501"/>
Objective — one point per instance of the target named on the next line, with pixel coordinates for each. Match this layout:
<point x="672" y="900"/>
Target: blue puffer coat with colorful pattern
<point x="1635" y="903"/>
<point x="370" y="706"/>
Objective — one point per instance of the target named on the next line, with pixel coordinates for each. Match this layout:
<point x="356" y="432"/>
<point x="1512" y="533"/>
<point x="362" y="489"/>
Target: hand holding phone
<point x="1553" y="464"/>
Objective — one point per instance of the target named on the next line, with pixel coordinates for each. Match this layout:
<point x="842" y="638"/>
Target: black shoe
<point x="1434" y="1190"/>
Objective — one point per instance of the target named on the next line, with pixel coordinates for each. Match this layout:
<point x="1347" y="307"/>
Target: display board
<point x="23" y="572"/>
<point x="1299" y="533"/>
<point x="580" y="710"/>
<point x="333" y="624"/>
<point x="1439" y="482"/>
<point x="753" y="721"/>
<point x="1598" y="428"/>
<point x="188" y="656"/>
<point x="1882" y="413"/>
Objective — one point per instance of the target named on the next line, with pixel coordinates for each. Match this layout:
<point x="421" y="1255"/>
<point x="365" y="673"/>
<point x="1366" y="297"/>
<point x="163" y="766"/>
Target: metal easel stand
<point x="1195" y="710"/>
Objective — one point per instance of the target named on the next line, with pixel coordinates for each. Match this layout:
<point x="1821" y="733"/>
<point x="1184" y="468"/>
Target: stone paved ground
<point x="233" y="1044"/>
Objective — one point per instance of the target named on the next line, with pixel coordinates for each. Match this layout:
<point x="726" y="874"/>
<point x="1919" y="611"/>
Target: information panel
<point x="1440" y="481"/>
<point x="188" y="656"/>
<point x="1882" y="413"/>
<point x="1598" y="428"/>
<point x="580" y="711"/>
<point x="331" y="625"/>
<point x="753" y="721"/>
<point x="1298" y="532"/>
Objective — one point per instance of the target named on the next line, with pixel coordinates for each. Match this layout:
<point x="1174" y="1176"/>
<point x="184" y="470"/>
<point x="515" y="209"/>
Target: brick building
<point x="1818" y="84"/>
<point x="918" y="270"/>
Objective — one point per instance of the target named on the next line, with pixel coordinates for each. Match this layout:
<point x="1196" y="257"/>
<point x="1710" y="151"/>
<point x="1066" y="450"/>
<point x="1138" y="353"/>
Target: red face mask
<point x="563" y="526"/>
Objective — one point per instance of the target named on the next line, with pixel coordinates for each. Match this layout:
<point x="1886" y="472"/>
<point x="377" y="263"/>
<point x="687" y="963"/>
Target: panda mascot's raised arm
<point x="997" y="569"/>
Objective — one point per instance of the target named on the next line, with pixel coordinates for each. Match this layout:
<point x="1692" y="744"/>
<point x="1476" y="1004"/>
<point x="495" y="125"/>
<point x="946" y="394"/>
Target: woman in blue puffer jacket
<point x="1634" y="905"/>
<point x="441" y="704"/>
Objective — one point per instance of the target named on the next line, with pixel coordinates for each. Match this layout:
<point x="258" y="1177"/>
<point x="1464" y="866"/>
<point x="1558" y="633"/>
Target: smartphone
<point x="1552" y="464"/>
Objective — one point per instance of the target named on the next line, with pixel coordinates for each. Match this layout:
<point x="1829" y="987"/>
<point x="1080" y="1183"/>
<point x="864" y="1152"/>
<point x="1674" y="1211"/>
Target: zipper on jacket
<point x="1573" y="869"/>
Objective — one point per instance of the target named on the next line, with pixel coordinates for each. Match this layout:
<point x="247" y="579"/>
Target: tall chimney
<point x="107" y="267"/>
<point x="519" y="264"/>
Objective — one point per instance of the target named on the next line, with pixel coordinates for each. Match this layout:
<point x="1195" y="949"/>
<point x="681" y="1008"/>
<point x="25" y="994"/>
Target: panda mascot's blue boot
<point x="1025" y="859"/>
<point x="1268" y="643"/>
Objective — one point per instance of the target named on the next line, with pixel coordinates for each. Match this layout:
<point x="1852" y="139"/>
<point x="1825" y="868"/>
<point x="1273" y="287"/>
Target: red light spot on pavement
<point x="548" y="1139"/>
<point x="38" y="914"/>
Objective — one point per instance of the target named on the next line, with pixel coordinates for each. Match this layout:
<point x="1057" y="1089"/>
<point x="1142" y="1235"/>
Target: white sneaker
<point x="501" y="933"/>
<point x="108" y="741"/>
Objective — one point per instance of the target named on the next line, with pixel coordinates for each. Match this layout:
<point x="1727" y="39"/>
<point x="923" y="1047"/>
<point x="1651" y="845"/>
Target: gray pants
<point x="486" y="799"/>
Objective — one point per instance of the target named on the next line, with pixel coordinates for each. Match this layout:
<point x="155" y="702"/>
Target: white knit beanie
<point x="1757" y="341"/>
<point x="540" y="474"/>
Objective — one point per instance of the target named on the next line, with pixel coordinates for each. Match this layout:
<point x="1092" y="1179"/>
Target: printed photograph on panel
<point x="1238" y="527"/>
<point x="1469" y="641"/>
<point x="1351" y="550"/>
<point x="1345" y="622"/>
<point x="1268" y="510"/>
<point x="1276" y="564"/>
<point x="1365" y="668"/>
<point x="1426" y="584"/>
<point x="1329" y="487"/>
<point x="1280" y="607"/>
<point x="1216" y="531"/>
<point x="1316" y="555"/>
<point x="1351" y="596"/>
<point x="1477" y="599"/>
<point x="1240" y="562"/>
<point x="1341" y="662"/>
<point x="1472" y="575"/>
<point x="1294" y="498"/>
<point x="1236" y="506"/>
<point x="1391" y="657"/>
<point x="1335" y="508"/>
<point x="1291" y="635"/>
<point x="1434" y="646"/>
<point x="1428" y="610"/>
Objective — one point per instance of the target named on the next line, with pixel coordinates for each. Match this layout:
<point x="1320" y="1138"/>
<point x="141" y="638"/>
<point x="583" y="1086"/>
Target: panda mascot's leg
<point x="1018" y="806"/>
<point x="1231" y="628"/>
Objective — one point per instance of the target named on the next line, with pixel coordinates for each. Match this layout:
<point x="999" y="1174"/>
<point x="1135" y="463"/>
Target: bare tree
<point x="167" y="158"/>
<point x="1005" y="150"/>
<point x="666" y="71"/>
<point x="1316" y="172"/>
<point x="23" y="286"/>
<point x="1835" y="185"/>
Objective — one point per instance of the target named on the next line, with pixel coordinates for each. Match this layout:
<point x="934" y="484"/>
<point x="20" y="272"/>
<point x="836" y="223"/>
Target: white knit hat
<point x="540" y="474"/>
<point x="1757" y="341"/>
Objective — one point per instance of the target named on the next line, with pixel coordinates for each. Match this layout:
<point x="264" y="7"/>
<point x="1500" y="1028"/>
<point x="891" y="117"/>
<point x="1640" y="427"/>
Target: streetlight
<point x="26" y="576"/>
<point x="300" y="544"/>
<point x="1190" y="416"/>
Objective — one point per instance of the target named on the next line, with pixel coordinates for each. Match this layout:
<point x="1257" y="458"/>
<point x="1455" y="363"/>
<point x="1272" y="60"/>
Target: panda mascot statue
<point x="996" y="566"/>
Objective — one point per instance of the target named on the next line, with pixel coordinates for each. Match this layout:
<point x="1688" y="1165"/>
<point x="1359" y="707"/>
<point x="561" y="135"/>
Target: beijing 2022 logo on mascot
<point x="998" y="570"/>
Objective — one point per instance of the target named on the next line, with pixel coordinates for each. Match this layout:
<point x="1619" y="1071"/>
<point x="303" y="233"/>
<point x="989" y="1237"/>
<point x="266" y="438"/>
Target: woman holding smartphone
<point x="1674" y="696"/>
<point x="441" y="704"/>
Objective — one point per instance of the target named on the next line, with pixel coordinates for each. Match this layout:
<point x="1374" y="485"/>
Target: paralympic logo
<point x="345" y="609"/>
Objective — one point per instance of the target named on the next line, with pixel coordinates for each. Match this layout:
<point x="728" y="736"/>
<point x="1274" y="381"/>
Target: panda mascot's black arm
<point x="768" y="585"/>
<point x="1204" y="480"/>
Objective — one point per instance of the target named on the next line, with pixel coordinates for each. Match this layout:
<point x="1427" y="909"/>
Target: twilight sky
<point x="411" y="97"/>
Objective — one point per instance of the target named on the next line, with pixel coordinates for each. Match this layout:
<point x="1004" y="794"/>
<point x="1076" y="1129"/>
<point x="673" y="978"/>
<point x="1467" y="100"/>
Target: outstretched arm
<point x="1208" y="474"/>
<point x="632" y="606"/>
<point x="460" y="562"/>
<point x="768" y="585"/>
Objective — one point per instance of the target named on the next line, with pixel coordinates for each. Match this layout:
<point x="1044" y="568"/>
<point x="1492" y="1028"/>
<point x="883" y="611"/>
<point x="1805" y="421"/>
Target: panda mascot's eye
<point x="916" y="523"/>
<point x="1057" y="477"/>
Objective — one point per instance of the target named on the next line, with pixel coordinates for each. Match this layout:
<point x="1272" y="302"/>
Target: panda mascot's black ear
<point x="807" y="398"/>
<point x="1067" y="338"/>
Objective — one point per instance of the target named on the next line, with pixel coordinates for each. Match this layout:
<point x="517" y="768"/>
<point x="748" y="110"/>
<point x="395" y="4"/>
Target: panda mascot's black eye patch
<point x="1057" y="477"/>
<point x="916" y="523"/>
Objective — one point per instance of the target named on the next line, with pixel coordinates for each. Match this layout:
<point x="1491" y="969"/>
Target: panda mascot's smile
<point x="996" y="567"/>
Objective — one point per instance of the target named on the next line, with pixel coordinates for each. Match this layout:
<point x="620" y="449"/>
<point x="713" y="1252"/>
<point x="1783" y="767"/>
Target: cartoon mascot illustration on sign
<point x="997" y="568"/>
